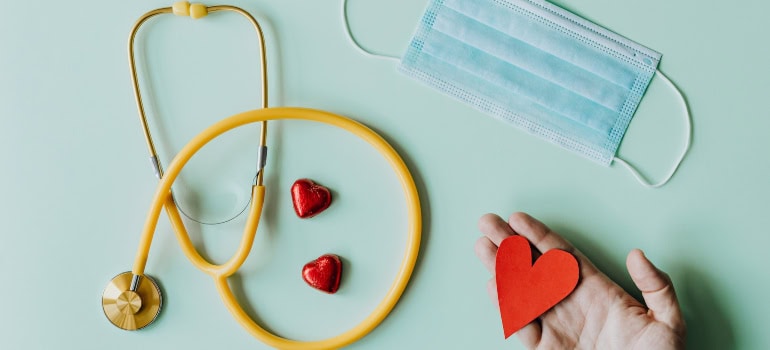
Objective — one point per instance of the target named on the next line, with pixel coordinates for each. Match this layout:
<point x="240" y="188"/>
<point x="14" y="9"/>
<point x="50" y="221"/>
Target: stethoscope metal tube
<point x="179" y="9"/>
<point x="183" y="8"/>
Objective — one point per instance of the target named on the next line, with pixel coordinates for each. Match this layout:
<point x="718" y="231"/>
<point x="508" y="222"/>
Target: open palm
<point x="598" y="313"/>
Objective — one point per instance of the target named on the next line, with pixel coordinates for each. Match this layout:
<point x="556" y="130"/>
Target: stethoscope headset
<point x="132" y="300"/>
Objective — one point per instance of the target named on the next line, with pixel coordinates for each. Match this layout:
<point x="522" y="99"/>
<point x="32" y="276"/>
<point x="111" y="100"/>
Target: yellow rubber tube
<point x="221" y="272"/>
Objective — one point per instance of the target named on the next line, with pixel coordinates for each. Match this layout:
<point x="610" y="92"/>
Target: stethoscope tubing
<point x="219" y="273"/>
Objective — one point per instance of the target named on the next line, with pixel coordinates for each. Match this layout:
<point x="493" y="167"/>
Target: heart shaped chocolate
<point x="309" y="198"/>
<point x="323" y="273"/>
<point x="526" y="291"/>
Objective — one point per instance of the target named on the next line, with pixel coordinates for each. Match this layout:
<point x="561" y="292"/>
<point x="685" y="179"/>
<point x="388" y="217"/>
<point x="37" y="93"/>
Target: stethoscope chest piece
<point x="130" y="302"/>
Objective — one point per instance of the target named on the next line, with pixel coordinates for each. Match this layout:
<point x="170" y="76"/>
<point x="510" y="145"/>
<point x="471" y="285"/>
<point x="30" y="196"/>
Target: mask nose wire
<point x="688" y="138"/>
<point x="355" y="43"/>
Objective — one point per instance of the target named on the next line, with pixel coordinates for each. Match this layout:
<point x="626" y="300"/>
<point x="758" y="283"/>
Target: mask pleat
<point x="521" y="82"/>
<point x="532" y="59"/>
<point x="498" y="102"/>
<point x="545" y="37"/>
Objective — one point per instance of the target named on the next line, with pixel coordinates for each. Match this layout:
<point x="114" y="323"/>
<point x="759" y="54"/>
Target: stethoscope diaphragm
<point x="131" y="303"/>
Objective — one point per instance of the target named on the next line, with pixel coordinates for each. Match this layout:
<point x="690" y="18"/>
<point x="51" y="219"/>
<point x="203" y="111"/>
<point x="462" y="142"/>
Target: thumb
<point x="657" y="289"/>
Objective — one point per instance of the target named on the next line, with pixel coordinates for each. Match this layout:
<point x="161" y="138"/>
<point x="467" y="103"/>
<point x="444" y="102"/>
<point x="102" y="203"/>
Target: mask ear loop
<point x="353" y="41"/>
<point x="641" y="179"/>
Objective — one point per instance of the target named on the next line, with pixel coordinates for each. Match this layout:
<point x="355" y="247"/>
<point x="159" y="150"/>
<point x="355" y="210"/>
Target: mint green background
<point x="75" y="182"/>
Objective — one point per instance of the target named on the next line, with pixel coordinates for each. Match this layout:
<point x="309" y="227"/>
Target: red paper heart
<point x="526" y="291"/>
<point x="309" y="198"/>
<point x="323" y="273"/>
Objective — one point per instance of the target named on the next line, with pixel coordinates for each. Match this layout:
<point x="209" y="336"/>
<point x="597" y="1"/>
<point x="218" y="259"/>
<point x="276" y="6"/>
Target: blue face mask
<point x="537" y="67"/>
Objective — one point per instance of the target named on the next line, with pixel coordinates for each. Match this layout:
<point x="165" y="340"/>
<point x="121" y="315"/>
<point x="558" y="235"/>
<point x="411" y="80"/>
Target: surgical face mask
<point x="538" y="67"/>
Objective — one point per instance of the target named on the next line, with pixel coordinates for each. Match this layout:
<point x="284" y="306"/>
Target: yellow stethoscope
<point x="132" y="300"/>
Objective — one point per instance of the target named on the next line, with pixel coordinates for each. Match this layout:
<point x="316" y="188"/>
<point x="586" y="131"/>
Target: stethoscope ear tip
<point x="131" y="302"/>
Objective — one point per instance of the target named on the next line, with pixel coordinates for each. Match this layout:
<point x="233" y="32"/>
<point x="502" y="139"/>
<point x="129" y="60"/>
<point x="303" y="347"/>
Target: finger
<point x="495" y="228"/>
<point x="530" y="334"/>
<point x="492" y="291"/>
<point x="538" y="233"/>
<point x="486" y="252"/>
<point x="544" y="239"/>
<point x="657" y="289"/>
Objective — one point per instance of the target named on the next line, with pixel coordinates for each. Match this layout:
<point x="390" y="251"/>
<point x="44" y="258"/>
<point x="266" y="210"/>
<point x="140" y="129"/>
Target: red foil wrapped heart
<point x="324" y="273"/>
<point x="309" y="198"/>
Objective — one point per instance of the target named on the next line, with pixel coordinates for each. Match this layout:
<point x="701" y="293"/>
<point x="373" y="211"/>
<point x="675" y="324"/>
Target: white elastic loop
<point x="635" y="172"/>
<point x="353" y="41"/>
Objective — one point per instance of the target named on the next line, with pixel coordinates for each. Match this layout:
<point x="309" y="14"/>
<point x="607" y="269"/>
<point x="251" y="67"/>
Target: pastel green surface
<point x="76" y="182"/>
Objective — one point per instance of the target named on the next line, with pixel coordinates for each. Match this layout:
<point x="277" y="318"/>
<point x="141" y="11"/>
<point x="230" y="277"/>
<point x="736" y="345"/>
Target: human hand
<point x="598" y="314"/>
